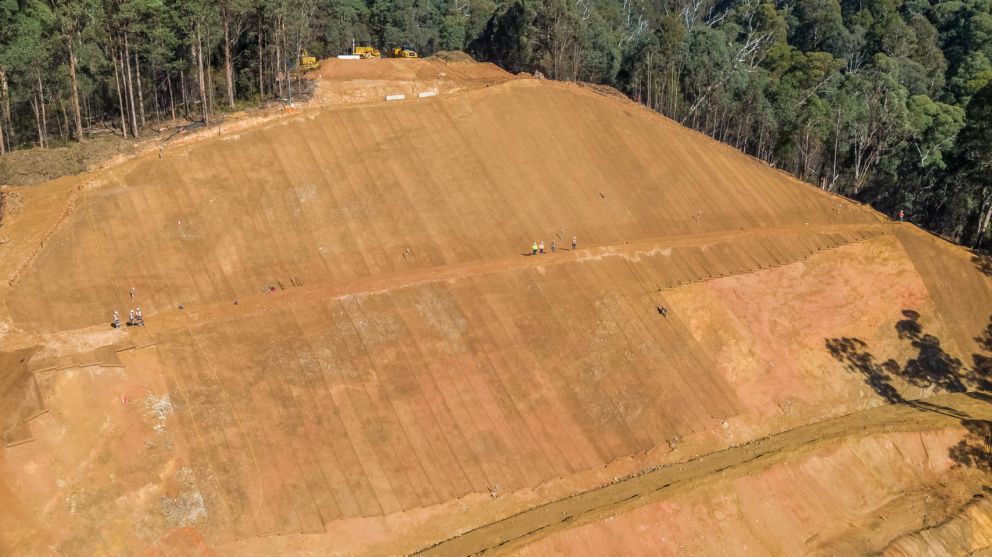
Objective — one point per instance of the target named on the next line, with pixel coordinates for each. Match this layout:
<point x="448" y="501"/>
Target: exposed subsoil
<point x="513" y="532"/>
<point x="349" y="348"/>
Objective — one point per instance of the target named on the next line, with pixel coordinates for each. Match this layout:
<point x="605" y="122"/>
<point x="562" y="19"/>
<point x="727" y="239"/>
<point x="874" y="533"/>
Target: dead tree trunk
<point x="172" y="100"/>
<point x="5" y="97"/>
<point x="261" y="65"/>
<point x="141" y="96"/>
<point x="129" y="84"/>
<point x="120" y="96"/>
<point x="983" y="222"/>
<point x="3" y="116"/>
<point x="40" y="114"/>
<point x="63" y="121"/>
<point x="209" y="70"/>
<point x="155" y="96"/>
<point x="74" y="87"/>
<point x="228" y="66"/>
<point x="37" y="118"/>
<point x="198" y="48"/>
<point x="277" y="67"/>
<point x="210" y="84"/>
<point x="285" y="65"/>
<point x="182" y="86"/>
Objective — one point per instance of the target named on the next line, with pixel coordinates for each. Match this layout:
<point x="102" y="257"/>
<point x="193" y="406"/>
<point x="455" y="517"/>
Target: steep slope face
<point x="353" y="193"/>
<point x="346" y="334"/>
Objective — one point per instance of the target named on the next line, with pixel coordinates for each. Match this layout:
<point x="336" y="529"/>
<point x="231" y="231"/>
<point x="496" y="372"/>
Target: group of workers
<point x="134" y="316"/>
<point x="538" y="247"/>
<point x="134" y="319"/>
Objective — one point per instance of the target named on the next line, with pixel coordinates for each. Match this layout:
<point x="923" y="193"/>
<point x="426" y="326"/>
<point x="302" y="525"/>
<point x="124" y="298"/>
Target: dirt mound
<point x="363" y="81"/>
<point x="348" y="340"/>
<point x="32" y="166"/>
<point x="452" y="56"/>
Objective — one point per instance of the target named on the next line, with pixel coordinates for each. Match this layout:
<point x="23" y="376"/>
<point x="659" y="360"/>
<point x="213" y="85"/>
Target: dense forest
<point x="885" y="101"/>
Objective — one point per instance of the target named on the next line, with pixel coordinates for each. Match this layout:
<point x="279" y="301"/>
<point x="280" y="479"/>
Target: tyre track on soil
<point x="653" y="484"/>
<point x="633" y="250"/>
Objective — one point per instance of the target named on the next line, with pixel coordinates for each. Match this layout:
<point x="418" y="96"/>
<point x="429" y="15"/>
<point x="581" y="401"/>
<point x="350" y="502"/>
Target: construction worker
<point x="130" y="318"/>
<point x="533" y="248"/>
<point x="574" y="243"/>
<point x="117" y="321"/>
<point x="541" y="248"/>
<point x="140" y="319"/>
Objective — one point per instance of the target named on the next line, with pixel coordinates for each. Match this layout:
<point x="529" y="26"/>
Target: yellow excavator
<point x="366" y="52"/>
<point x="403" y="52"/>
<point x="308" y="62"/>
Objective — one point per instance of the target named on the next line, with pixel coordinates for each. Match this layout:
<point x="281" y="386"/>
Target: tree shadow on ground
<point x="981" y="364"/>
<point x="853" y="352"/>
<point x="930" y="367"/>
<point x="975" y="450"/>
<point x="983" y="263"/>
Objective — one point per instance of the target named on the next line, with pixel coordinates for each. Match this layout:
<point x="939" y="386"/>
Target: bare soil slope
<point x="349" y="348"/>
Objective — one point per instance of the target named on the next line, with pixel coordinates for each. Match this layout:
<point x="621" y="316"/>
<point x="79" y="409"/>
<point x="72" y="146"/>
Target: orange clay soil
<point x="349" y="349"/>
<point x="814" y="489"/>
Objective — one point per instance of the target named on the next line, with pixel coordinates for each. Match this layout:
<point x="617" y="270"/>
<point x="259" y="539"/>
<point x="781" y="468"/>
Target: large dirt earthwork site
<point x="349" y="348"/>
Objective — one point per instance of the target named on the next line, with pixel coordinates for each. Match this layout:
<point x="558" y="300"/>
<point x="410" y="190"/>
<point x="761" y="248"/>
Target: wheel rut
<point x="649" y="485"/>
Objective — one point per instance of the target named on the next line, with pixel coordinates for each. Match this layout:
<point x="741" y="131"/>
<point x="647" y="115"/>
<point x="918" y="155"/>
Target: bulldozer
<point x="366" y="52"/>
<point x="308" y="62"/>
<point x="403" y="52"/>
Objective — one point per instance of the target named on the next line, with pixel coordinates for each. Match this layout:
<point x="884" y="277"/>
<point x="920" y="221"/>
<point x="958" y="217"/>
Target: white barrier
<point x="349" y="57"/>
<point x="395" y="97"/>
<point x="424" y="94"/>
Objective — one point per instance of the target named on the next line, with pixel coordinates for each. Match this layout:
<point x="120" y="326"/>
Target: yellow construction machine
<point x="308" y="62"/>
<point x="403" y="52"/>
<point x="366" y="52"/>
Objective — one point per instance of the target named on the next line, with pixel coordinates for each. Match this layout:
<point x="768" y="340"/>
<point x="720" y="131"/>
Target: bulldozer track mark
<point x="652" y="484"/>
<point x="632" y="251"/>
<point x="29" y="260"/>
<point x="103" y="249"/>
<point x="237" y="419"/>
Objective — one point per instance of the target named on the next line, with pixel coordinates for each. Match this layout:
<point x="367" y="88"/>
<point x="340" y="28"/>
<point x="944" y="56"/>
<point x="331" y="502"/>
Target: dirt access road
<point x="525" y="527"/>
<point x="827" y="237"/>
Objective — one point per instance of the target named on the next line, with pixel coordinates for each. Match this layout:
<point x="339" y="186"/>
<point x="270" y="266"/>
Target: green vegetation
<point x="886" y="101"/>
